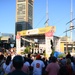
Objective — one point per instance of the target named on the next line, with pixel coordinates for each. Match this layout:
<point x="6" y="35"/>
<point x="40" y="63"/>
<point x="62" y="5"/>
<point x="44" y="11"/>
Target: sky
<point x="59" y="15"/>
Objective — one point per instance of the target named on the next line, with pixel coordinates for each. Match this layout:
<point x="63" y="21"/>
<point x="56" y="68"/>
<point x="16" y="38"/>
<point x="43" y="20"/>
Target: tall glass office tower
<point x="24" y="15"/>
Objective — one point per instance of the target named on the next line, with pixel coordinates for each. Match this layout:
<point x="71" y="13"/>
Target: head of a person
<point x="29" y="55"/>
<point x="18" y="62"/>
<point x="38" y="57"/>
<point x="1" y="57"/>
<point x="68" y="55"/>
<point x="68" y="61"/>
<point x="68" y="52"/>
<point x="54" y="59"/>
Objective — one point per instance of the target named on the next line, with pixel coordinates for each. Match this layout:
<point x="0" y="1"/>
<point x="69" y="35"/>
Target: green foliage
<point x="27" y="50"/>
<point x="61" y="55"/>
<point x="52" y="53"/>
<point x="44" y="53"/>
<point x="0" y="37"/>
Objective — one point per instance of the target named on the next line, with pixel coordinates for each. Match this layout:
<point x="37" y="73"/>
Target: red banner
<point x="18" y="36"/>
<point x="50" y="33"/>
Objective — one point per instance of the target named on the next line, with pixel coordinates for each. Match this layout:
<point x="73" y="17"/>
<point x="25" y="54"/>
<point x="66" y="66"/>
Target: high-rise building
<point x="24" y="15"/>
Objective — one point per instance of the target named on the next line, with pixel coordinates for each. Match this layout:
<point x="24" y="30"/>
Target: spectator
<point x="69" y="67"/>
<point x="68" y="55"/>
<point x="66" y="69"/>
<point x="1" y="64"/>
<point x="7" y="65"/>
<point x="29" y="59"/>
<point x="26" y="62"/>
<point x="18" y="64"/>
<point x="38" y="66"/>
<point x="53" y="67"/>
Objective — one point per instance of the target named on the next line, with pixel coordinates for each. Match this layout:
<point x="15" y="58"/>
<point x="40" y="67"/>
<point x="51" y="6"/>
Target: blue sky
<point x="59" y="15"/>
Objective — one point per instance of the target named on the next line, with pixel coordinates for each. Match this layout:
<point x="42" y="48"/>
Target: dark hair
<point x="8" y="60"/>
<point x="54" y="59"/>
<point x="1" y="57"/>
<point x="29" y="55"/>
<point x="18" y="62"/>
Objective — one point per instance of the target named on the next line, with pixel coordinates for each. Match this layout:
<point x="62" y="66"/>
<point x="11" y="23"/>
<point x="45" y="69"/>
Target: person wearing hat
<point x="37" y="65"/>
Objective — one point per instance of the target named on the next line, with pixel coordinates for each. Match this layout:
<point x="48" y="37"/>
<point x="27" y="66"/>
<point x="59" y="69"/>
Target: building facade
<point x="67" y="46"/>
<point x="24" y="15"/>
<point x="6" y="40"/>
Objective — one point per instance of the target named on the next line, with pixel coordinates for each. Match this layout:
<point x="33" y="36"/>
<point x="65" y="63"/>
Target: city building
<point x="66" y="45"/>
<point x="39" y="39"/>
<point x="24" y="15"/>
<point x="6" y="39"/>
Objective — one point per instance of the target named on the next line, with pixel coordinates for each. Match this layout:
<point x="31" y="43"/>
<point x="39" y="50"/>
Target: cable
<point x="70" y="21"/>
<point x="39" y="22"/>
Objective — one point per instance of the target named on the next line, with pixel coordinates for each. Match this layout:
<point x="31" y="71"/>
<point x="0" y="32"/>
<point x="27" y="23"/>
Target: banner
<point x="48" y="46"/>
<point x="38" y="31"/>
<point x="48" y="38"/>
<point x="18" y="43"/>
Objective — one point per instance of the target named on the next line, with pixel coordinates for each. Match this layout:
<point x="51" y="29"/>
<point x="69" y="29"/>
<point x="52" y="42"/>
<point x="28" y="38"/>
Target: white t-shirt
<point x="7" y="68"/>
<point x="13" y="56"/>
<point x="27" y="64"/>
<point x="37" y="67"/>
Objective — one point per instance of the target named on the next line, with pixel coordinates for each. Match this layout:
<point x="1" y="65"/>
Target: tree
<point x="0" y="38"/>
<point x="27" y="50"/>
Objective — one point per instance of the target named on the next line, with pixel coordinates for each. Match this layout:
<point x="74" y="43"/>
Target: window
<point x="21" y="0"/>
<point x="19" y="27"/>
<point x="21" y="9"/>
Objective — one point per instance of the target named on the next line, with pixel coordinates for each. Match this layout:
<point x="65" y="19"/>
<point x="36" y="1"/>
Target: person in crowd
<point x="17" y="64"/>
<point x="44" y="59"/>
<point x="63" y="61"/>
<point x="50" y="58"/>
<point x="73" y="64"/>
<point x="67" y="68"/>
<point x="26" y="62"/>
<point x="68" y="55"/>
<point x="7" y="65"/>
<point x="1" y="51"/>
<point x="1" y="64"/>
<point x="25" y="69"/>
<point x="12" y="55"/>
<point x="53" y="67"/>
<point x="37" y="65"/>
<point x="29" y="59"/>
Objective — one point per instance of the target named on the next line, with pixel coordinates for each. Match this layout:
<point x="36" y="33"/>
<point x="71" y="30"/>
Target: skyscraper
<point x="24" y="15"/>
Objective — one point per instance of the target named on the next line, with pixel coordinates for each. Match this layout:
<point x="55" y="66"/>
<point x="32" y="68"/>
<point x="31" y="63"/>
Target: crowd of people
<point x="26" y="65"/>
